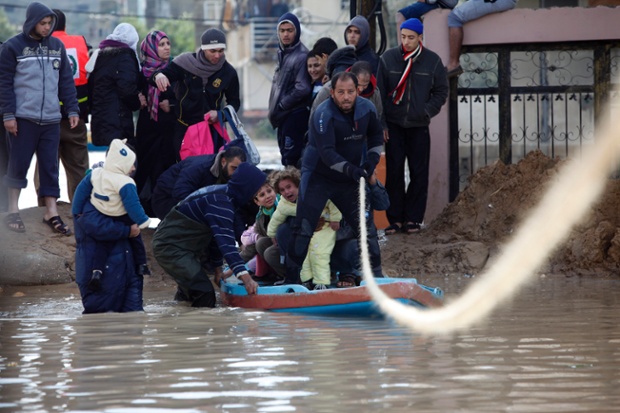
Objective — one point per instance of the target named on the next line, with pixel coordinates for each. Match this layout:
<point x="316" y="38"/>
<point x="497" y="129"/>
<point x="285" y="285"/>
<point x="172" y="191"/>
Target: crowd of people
<point x="335" y="111"/>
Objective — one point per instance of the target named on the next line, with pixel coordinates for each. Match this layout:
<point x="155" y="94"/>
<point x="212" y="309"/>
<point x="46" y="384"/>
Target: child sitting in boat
<point x="315" y="272"/>
<point x="113" y="193"/>
<point x="267" y="200"/>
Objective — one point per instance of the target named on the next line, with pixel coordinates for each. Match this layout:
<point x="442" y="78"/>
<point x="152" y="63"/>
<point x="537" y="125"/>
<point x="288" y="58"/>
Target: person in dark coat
<point x="198" y="224"/>
<point x="345" y="140"/>
<point x="156" y="121"/>
<point x="414" y="86"/>
<point x="113" y="87"/>
<point x="204" y="82"/>
<point x="123" y="291"/>
<point x="357" y="34"/>
<point x="191" y="174"/>
<point x="291" y="91"/>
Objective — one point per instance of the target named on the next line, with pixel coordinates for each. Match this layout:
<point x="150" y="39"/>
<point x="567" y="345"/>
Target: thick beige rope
<point x="579" y="184"/>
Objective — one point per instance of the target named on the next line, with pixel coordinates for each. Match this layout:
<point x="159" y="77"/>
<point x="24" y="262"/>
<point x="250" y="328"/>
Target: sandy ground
<point x="459" y="242"/>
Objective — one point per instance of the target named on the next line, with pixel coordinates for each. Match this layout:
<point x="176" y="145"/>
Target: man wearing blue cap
<point x="414" y="86"/>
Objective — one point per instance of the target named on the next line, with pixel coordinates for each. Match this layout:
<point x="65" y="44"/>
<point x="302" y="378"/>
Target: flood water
<point x="554" y="348"/>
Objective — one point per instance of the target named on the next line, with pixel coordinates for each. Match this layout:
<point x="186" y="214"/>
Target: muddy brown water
<point x="554" y="348"/>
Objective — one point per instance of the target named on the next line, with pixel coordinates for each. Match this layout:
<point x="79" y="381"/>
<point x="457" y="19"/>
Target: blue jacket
<point x="121" y="287"/>
<point x="336" y="139"/>
<point x="217" y="206"/>
<point x="291" y="88"/>
<point x="180" y="180"/>
<point x="36" y="75"/>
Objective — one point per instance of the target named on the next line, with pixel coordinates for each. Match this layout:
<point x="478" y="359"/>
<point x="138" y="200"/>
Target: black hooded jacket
<point x="426" y="89"/>
<point x="291" y="88"/>
<point x="363" y="51"/>
<point x="113" y="95"/>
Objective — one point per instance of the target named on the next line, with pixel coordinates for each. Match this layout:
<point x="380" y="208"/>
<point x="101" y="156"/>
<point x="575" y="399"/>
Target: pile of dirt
<point x="472" y="229"/>
<point x="460" y="241"/>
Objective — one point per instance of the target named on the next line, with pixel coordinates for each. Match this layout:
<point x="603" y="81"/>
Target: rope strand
<point x="580" y="183"/>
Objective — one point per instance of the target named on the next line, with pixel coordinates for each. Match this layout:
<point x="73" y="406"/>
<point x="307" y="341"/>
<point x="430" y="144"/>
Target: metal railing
<point x="513" y="99"/>
<point x="263" y="38"/>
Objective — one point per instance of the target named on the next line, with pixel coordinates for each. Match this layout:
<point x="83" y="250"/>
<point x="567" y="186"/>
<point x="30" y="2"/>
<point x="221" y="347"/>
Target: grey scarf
<point x="198" y="65"/>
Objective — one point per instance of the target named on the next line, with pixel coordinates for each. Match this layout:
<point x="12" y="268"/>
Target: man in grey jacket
<point x="414" y="86"/>
<point x="291" y="91"/>
<point x="35" y="75"/>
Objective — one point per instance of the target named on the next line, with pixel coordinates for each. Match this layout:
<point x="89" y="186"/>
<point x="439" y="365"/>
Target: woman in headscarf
<point x="113" y="86"/>
<point x="204" y="81"/>
<point x="155" y="129"/>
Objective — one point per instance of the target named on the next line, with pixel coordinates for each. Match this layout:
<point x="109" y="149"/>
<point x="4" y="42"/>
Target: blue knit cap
<point x="413" y="25"/>
<point x="245" y="183"/>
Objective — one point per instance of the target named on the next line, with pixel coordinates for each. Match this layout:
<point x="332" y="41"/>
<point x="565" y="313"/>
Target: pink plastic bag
<point x="198" y="139"/>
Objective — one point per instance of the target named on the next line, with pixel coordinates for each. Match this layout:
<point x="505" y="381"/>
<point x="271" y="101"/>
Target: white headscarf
<point x="124" y="33"/>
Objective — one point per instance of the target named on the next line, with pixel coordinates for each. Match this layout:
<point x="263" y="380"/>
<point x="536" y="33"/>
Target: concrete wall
<point x="513" y="26"/>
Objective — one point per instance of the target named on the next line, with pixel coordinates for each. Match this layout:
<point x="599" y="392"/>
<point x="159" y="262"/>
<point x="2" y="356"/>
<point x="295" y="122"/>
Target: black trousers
<point x="412" y="145"/>
<point x="314" y="191"/>
<point x="291" y="136"/>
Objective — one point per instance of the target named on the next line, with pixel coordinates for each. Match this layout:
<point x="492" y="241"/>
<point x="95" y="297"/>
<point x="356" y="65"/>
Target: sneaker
<point x="279" y="282"/>
<point x="286" y="281"/>
<point x="318" y="287"/>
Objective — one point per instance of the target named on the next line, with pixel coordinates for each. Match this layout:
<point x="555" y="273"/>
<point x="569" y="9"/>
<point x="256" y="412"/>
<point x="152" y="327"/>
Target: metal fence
<point x="264" y="39"/>
<point x="512" y="99"/>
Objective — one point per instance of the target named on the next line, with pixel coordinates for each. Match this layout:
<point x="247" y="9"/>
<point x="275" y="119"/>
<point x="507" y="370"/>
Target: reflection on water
<point x="553" y="349"/>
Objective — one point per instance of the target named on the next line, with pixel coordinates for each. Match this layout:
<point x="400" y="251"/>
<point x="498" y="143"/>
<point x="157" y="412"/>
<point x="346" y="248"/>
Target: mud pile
<point x="472" y="229"/>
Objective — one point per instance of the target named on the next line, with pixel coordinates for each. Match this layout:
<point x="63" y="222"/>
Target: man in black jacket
<point x="204" y="80"/>
<point x="357" y="34"/>
<point x="344" y="145"/>
<point x="291" y="91"/>
<point x="414" y="86"/>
